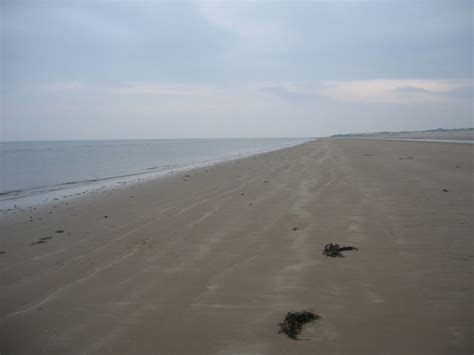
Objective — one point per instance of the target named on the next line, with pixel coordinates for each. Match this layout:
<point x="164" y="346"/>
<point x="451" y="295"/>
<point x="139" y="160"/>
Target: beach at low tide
<point x="210" y="260"/>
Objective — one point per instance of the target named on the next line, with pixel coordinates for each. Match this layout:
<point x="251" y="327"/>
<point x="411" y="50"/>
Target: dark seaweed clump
<point x="293" y="323"/>
<point x="334" y="250"/>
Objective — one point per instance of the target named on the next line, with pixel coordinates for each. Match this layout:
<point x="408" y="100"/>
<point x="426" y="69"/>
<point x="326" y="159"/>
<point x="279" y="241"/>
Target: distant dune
<point x="440" y="133"/>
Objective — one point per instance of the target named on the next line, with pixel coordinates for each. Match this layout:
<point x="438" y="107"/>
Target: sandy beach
<point x="209" y="261"/>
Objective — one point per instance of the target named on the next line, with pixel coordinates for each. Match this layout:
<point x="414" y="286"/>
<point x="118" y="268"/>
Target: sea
<point x="40" y="172"/>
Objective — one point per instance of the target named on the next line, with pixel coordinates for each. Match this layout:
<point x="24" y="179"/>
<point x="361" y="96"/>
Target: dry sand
<point x="212" y="264"/>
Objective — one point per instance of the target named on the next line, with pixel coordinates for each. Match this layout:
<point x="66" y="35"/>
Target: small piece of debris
<point x="241" y="194"/>
<point x="334" y="250"/>
<point x="402" y="158"/>
<point x="2" y="252"/>
<point x="265" y="182"/>
<point x="368" y="155"/>
<point x="41" y="240"/>
<point x="59" y="231"/>
<point x="106" y="216"/>
<point x="445" y="190"/>
<point x="295" y="228"/>
<point x="293" y="323"/>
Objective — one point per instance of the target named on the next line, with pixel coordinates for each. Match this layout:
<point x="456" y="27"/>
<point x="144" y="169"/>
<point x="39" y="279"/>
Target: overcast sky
<point x="153" y="69"/>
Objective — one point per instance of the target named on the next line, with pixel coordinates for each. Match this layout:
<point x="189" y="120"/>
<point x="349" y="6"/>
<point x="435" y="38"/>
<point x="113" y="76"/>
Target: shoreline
<point x="36" y="197"/>
<point x="64" y="192"/>
<point x="212" y="262"/>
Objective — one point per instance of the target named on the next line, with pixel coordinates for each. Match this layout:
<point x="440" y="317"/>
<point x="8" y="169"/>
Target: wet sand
<point x="210" y="263"/>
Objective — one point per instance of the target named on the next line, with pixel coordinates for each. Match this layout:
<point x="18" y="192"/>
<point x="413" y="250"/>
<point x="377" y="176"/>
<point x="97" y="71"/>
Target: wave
<point x="7" y="195"/>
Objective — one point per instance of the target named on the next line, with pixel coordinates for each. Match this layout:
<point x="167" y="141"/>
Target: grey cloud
<point x="411" y="90"/>
<point x="104" y="44"/>
<point x="110" y="41"/>
<point x="175" y="41"/>
<point x="285" y="93"/>
<point x="465" y="92"/>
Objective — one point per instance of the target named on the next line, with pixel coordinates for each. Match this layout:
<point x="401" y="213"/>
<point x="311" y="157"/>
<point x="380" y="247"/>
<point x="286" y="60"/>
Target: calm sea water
<point x="33" y="168"/>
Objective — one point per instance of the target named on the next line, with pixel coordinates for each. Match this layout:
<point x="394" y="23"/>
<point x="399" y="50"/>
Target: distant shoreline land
<point x="439" y="133"/>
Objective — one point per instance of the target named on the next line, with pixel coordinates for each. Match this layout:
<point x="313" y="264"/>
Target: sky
<point x="87" y="69"/>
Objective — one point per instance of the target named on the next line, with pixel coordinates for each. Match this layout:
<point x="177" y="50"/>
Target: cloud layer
<point x="78" y="70"/>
